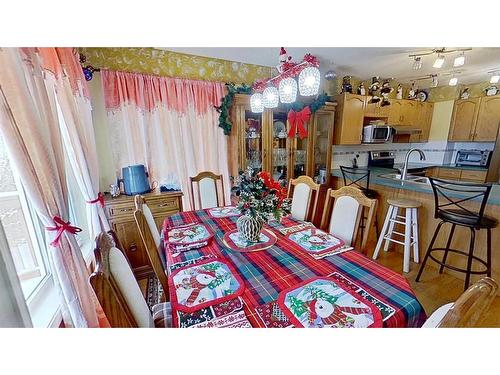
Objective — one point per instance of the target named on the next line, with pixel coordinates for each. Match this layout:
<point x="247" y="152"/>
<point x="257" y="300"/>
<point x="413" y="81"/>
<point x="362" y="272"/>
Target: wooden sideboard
<point x="120" y="213"/>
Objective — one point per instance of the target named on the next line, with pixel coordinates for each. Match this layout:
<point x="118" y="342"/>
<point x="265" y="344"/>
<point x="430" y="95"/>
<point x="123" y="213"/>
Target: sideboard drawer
<point x="121" y="210"/>
<point x="160" y="205"/>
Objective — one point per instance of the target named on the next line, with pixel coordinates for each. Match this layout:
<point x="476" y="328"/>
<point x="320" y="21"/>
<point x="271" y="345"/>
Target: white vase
<point x="249" y="228"/>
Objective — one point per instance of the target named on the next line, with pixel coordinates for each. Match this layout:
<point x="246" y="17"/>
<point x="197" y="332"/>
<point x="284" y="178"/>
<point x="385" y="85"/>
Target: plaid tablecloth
<point x="270" y="271"/>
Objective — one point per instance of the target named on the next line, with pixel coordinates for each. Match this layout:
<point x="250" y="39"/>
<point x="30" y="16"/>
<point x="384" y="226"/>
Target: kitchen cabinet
<point x="375" y="109"/>
<point x="260" y="141"/>
<point x="120" y="213"/>
<point x="409" y="113"/>
<point x="470" y="175"/>
<point x="423" y="120"/>
<point x="395" y="113"/>
<point x="488" y="119"/>
<point x="463" y="119"/>
<point x="349" y="117"/>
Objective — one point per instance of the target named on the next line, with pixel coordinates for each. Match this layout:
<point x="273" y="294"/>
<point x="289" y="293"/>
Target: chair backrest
<point x="116" y="288"/>
<point x="207" y="192"/>
<point x="451" y="196"/>
<point x="150" y="237"/>
<point x="358" y="177"/>
<point x="468" y="310"/>
<point x="342" y="213"/>
<point x="301" y="191"/>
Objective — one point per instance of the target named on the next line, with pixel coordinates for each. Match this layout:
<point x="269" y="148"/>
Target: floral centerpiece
<point x="260" y="199"/>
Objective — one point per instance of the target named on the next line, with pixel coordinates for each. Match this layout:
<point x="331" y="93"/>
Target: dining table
<point x="262" y="277"/>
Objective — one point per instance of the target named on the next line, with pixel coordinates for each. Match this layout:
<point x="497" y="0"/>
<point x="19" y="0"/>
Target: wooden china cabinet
<point x="260" y="140"/>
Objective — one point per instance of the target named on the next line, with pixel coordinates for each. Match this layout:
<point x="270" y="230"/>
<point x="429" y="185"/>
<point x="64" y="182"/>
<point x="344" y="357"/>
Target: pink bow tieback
<point x="60" y="227"/>
<point x="100" y="199"/>
<point x="297" y="120"/>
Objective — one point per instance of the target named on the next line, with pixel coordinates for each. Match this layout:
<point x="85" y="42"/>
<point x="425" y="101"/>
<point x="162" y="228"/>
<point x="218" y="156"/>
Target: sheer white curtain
<point x="170" y="125"/>
<point x="30" y="128"/>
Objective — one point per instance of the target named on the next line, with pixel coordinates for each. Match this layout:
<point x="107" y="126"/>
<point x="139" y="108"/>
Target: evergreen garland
<point x="227" y="101"/>
<point x="314" y="106"/>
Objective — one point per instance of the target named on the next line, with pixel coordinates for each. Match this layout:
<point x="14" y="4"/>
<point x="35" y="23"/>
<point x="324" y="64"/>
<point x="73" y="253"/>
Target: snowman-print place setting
<point x="220" y="212"/>
<point x="321" y="302"/>
<point x="318" y="243"/>
<point x="187" y="237"/>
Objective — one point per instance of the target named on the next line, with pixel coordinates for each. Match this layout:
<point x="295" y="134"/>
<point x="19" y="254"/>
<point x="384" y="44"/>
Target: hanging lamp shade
<point x="271" y="97"/>
<point x="288" y="90"/>
<point x="257" y="103"/>
<point x="309" y="80"/>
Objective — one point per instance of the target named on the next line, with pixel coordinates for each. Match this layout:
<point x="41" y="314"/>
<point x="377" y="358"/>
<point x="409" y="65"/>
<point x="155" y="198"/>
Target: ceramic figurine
<point x="465" y="94"/>
<point x="491" y="90"/>
<point x="412" y="94"/>
<point x="399" y="92"/>
<point x="114" y="190"/>
<point x="374" y="89"/>
<point x="361" y="89"/>
<point x="346" y="85"/>
<point x="385" y="91"/>
<point x="284" y="58"/>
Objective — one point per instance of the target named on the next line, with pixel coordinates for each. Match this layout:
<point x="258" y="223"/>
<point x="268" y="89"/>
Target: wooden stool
<point x="411" y="229"/>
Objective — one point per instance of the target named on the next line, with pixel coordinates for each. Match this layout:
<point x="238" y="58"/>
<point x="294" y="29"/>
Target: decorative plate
<point x="315" y="241"/>
<point x="279" y="129"/>
<point x="321" y="302"/>
<point x="235" y="242"/>
<point x="422" y="96"/>
<point x="204" y="284"/>
<point x="187" y="236"/>
<point x="228" y="211"/>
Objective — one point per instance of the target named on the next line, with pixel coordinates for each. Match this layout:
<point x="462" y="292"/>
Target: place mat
<point x="220" y="212"/>
<point x="234" y="320"/>
<point x="315" y="241"/>
<point x="294" y="228"/>
<point x="340" y="250"/>
<point x="203" y="284"/>
<point x="322" y="302"/>
<point x="204" y="315"/>
<point x="235" y="242"/>
<point x="272" y="316"/>
<point x="187" y="237"/>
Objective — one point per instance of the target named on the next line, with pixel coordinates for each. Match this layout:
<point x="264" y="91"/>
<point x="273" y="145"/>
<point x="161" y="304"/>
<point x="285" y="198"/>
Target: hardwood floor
<point x="434" y="289"/>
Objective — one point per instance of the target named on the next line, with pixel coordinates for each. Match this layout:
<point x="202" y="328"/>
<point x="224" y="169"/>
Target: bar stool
<point x="410" y="235"/>
<point x="360" y="178"/>
<point x="449" y="199"/>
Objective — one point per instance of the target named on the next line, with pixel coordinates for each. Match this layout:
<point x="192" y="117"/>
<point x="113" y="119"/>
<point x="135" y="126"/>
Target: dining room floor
<point x="434" y="289"/>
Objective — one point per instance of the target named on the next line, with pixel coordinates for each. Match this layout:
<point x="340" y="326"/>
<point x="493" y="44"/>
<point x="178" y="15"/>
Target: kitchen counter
<point x="375" y="179"/>
<point x="450" y="165"/>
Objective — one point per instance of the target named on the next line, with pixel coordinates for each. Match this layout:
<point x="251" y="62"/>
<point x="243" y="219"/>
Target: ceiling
<point x="364" y="62"/>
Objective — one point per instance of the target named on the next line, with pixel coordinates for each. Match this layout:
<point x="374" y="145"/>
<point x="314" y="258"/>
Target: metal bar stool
<point x="410" y="222"/>
<point x="360" y="178"/>
<point x="449" y="199"/>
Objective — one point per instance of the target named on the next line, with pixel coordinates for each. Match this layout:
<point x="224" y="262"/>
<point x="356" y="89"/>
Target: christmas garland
<point x="314" y="106"/>
<point x="223" y="110"/>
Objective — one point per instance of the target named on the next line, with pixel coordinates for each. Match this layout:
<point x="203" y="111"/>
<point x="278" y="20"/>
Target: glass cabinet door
<point x="322" y="145"/>
<point x="253" y="140"/>
<point x="299" y="153"/>
<point x="280" y="148"/>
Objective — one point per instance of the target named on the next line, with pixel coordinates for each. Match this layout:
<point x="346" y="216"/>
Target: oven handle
<point x="389" y="133"/>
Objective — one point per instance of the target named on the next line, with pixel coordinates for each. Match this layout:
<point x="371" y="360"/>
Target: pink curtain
<point x="30" y="126"/>
<point x="168" y="124"/>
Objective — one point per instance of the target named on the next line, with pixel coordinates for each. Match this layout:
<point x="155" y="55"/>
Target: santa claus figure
<point x="323" y="313"/>
<point x="197" y="283"/>
<point x="284" y="58"/>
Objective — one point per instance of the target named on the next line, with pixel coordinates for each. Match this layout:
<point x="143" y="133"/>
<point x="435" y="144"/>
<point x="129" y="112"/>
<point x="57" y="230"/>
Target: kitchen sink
<point x="409" y="178"/>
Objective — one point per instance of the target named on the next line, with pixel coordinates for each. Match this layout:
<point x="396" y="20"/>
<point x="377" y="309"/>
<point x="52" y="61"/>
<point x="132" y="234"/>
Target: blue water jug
<point x="135" y="180"/>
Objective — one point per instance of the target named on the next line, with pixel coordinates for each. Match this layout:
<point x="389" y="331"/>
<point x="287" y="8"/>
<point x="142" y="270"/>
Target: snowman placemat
<point x="220" y="212"/>
<point x="204" y="284"/>
<point x="234" y="241"/>
<point x="321" y="302"/>
<point x="187" y="237"/>
<point x="315" y="241"/>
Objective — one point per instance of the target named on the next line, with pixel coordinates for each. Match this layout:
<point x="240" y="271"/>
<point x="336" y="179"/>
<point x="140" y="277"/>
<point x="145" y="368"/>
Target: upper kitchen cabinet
<point x="409" y="113"/>
<point x="375" y="109"/>
<point x="488" y="119"/>
<point x="349" y="117"/>
<point x="475" y="119"/>
<point x="463" y="119"/>
<point x="396" y="112"/>
<point x="423" y="120"/>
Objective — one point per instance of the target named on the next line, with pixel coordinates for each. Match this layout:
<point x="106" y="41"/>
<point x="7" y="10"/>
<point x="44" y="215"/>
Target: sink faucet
<point x="405" y="166"/>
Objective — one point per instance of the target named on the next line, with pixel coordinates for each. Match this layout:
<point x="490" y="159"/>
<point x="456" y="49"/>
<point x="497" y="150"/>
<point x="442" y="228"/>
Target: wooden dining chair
<point x="207" y="190"/>
<point x="468" y="310"/>
<point x="151" y="240"/>
<point x="304" y="193"/>
<point x="342" y="214"/>
<point x="119" y="293"/>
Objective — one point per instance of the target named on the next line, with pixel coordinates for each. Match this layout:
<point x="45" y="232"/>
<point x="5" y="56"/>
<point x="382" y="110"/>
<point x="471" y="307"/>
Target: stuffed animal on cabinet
<point x="385" y="91"/>
<point x="374" y="90"/>
<point x="399" y="92"/>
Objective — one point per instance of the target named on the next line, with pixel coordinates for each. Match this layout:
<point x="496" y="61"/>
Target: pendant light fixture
<point x="439" y="62"/>
<point x="417" y="63"/>
<point x="459" y="60"/>
<point x="309" y="79"/>
<point x="288" y="90"/>
<point x="453" y="81"/>
<point x="271" y="97"/>
<point x="257" y="103"/>
<point x="495" y="78"/>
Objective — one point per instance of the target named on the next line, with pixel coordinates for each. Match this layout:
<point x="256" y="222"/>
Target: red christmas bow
<point x="100" y="199"/>
<point x="297" y="120"/>
<point x="61" y="226"/>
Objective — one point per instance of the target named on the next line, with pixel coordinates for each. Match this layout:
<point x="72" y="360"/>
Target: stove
<point x="382" y="159"/>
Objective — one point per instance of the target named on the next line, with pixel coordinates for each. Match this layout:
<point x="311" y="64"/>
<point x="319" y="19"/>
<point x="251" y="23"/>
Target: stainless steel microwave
<point x="473" y="157"/>
<point x="377" y="133"/>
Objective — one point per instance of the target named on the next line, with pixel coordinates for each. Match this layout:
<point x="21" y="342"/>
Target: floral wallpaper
<point x="173" y="64"/>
